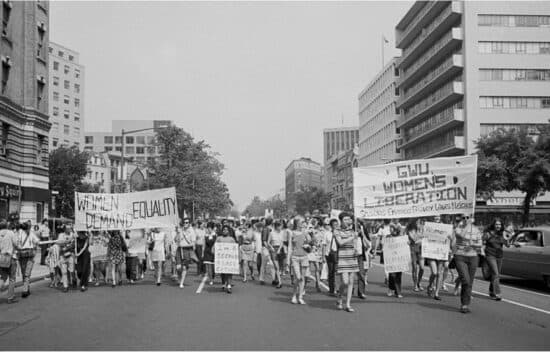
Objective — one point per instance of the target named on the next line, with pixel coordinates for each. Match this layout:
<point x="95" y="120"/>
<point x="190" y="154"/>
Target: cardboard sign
<point x="415" y="188"/>
<point x="117" y="211"/>
<point x="226" y="258"/>
<point x="98" y="247"/>
<point x="436" y="240"/>
<point x="397" y="254"/>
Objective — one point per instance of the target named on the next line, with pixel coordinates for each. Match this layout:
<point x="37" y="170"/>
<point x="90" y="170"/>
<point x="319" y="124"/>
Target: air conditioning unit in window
<point x="6" y="60"/>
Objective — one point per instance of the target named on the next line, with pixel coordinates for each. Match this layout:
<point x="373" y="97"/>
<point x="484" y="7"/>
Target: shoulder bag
<point x="27" y="252"/>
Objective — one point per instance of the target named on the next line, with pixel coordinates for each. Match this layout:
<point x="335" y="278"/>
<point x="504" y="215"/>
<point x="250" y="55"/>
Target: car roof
<point x="536" y="228"/>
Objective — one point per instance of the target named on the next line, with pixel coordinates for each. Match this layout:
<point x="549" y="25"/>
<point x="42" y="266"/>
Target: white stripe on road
<point x="201" y="286"/>
<point x="486" y="295"/>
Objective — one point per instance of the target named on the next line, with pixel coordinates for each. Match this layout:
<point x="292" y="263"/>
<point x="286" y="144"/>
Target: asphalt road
<point x="254" y="317"/>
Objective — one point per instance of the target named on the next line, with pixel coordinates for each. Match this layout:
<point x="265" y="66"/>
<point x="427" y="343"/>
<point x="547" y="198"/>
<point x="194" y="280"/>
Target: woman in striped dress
<point x="347" y="264"/>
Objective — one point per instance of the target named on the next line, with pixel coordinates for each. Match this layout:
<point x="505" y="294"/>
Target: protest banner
<point x="137" y="242"/>
<point x="334" y="213"/>
<point x="117" y="211"/>
<point x="226" y="258"/>
<point x="397" y="254"/>
<point x="416" y="188"/>
<point x="436" y="240"/>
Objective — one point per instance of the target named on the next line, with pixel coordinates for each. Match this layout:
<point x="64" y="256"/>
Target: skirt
<point x="248" y="253"/>
<point x="347" y="260"/>
<point x="184" y="256"/>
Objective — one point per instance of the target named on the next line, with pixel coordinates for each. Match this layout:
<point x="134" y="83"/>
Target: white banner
<point x="436" y="240"/>
<point x="98" y="246"/>
<point x="226" y="258"/>
<point x="416" y="188"/>
<point x="397" y="254"/>
<point x="117" y="211"/>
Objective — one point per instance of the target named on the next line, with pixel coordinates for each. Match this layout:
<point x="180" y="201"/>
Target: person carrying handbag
<point x="330" y="252"/>
<point x="8" y="263"/>
<point x="27" y="244"/>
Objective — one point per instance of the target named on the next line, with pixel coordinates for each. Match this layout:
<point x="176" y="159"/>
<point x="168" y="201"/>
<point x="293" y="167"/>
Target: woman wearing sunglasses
<point x="468" y="245"/>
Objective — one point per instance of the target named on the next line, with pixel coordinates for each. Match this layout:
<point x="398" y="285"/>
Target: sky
<point x="257" y="81"/>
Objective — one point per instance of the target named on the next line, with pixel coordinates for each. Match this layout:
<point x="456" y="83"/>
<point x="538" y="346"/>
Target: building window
<point x="118" y="140"/>
<point x="513" y="20"/>
<point x="150" y="150"/>
<point x="140" y="139"/>
<point x="118" y="149"/>
<point x="55" y="111"/>
<point x="55" y="81"/>
<point x="40" y="43"/>
<point x="56" y="127"/>
<point x="150" y="140"/>
<point x="89" y="139"/>
<point x="77" y="131"/>
<point x="76" y="103"/>
<point x="66" y="69"/>
<point x="76" y="117"/>
<point x="76" y="73"/>
<point x="129" y="140"/>
<point x="6" y="10"/>
<point x="55" y="96"/>
<point x="108" y="149"/>
<point x="66" y="129"/>
<point x="140" y="150"/>
<point x="130" y="150"/>
<point x="514" y="102"/>
<point x="108" y="140"/>
<point x="488" y="128"/>
<point x="41" y="84"/>
<point x="66" y="114"/>
<point x="66" y="84"/>
<point x="77" y="88"/>
<point x="71" y="58"/>
<point x="514" y="75"/>
<point x="514" y="48"/>
<point x="60" y="53"/>
<point x="55" y="141"/>
<point x="56" y="66"/>
<point x="66" y="99"/>
<point x="5" y="73"/>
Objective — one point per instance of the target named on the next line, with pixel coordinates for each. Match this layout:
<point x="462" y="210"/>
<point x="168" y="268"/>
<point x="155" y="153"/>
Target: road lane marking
<point x="522" y="290"/>
<point x="486" y="295"/>
<point x="201" y="286"/>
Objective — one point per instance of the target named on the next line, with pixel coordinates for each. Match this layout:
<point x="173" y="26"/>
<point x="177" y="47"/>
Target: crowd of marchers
<point x="317" y="251"/>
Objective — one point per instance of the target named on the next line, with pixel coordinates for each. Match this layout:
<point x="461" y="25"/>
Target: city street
<point x="145" y="316"/>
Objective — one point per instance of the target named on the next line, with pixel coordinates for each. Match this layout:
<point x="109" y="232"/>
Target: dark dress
<point x="116" y="254"/>
<point x="209" y="249"/>
<point x="83" y="261"/>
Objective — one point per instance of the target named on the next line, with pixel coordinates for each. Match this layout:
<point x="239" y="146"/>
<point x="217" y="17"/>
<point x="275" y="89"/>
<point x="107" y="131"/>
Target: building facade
<point x="378" y="131"/>
<point x="336" y="140"/>
<point x="104" y="170"/>
<point x="139" y="147"/>
<point x="452" y="90"/>
<point x="66" y="97"/>
<point x="300" y="173"/>
<point x="341" y="192"/>
<point x="24" y="181"/>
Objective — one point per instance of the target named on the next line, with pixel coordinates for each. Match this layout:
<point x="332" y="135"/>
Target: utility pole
<point x="122" y="182"/>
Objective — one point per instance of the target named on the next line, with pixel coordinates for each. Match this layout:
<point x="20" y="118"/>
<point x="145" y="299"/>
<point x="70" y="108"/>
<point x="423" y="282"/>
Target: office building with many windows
<point x="336" y="140"/>
<point x="469" y="68"/>
<point x="139" y="147"/>
<point x="66" y="105"/>
<point x="378" y="132"/>
<point x="300" y="173"/>
<point x="24" y="125"/>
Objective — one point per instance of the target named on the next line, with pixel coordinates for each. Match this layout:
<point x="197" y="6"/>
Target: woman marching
<point x="494" y="240"/>
<point x="347" y="264"/>
<point x="394" y="279"/>
<point x="208" y="254"/>
<point x="316" y="255"/>
<point x="227" y="236"/>
<point x="83" y="259"/>
<point x="185" y="242"/>
<point x="276" y="249"/>
<point x="157" y="244"/>
<point x="247" y="252"/>
<point x="116" y="250"/>
<point x="436" y="267"/>
<point x="298" y="248"/>
<point x="414" y="231"/>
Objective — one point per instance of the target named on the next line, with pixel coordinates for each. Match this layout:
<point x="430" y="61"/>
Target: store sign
<point x="9" y="191"/>
<point x="508" y="201"/>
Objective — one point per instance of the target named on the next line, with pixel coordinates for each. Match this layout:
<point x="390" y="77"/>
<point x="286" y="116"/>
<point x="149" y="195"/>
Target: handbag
<point x="5" y="260"/>
<point x="324" y="272"/>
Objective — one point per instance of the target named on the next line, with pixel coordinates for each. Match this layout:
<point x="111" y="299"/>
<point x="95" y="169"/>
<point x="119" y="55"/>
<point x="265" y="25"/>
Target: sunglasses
<point x="186" y="222"/>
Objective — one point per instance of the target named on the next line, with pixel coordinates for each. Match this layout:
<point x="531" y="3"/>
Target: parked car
<point x="528" y="255"/>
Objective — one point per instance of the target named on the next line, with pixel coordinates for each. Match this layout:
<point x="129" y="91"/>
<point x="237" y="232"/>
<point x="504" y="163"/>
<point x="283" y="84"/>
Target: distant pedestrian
<point x="469" y="244"/>
<point x="494" y="241"/>
<point x="27" y="242"/>
<point x="347" y="265"/>
<point x="116" y="250"/>
<point x="226" y="237"/>
<point x="44" y="235"/>
<point x="298" y="249"/>
<point x="8" y="262"/>
<point x="83" y="259"/>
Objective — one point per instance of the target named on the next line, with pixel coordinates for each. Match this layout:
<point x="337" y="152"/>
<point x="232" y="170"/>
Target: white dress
<point x="158" y="253"/>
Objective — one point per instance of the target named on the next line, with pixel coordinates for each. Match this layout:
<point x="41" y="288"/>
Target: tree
<point x="193" y="170"/>
<point x="258" y="206"/>
<point x="67" y="171"/>
<point x="513" y="160"/>
<point x="309" y="199"/>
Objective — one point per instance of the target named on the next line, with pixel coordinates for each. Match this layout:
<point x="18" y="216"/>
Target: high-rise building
<point x="378" y="132"/>
<point x="336" y="140"/>
<point x="66" y="94"/>
<point x="140" y="146"/>
<point x="24" y="180"/>
<point x="300" y="173"/>
<point x="468" y="68"/>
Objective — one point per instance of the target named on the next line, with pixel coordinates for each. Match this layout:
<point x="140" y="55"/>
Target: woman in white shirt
<point x="157" y="245"/>
<point x="277" y="250"/>
<point x="27" y="242"/>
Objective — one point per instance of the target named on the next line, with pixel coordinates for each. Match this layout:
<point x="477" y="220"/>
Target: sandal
<point x="349" y="310"/>
<point x="339" y="306"/>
